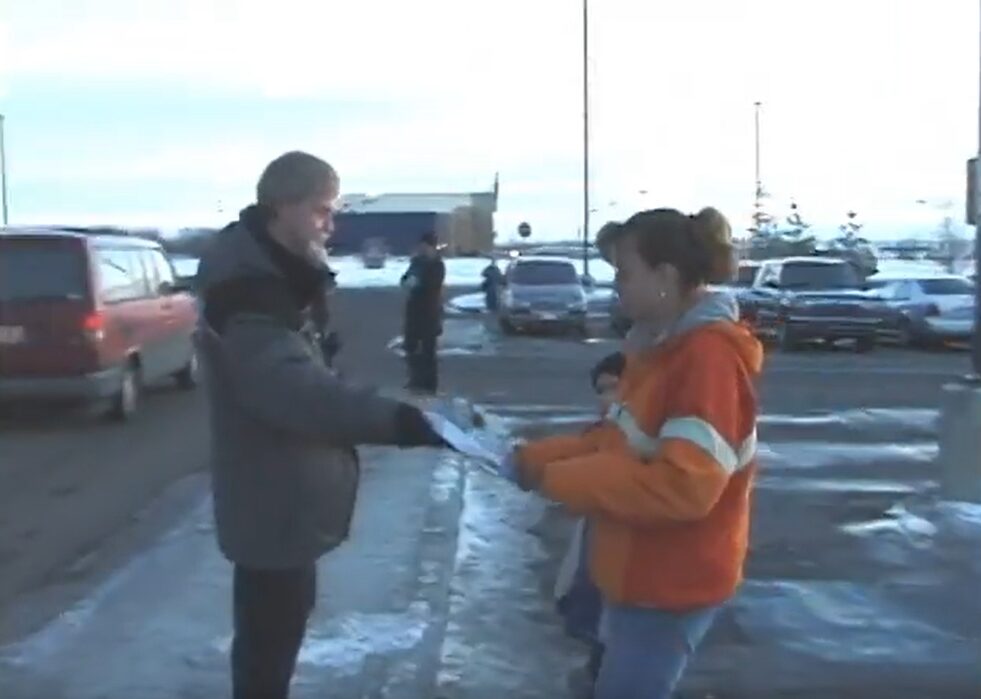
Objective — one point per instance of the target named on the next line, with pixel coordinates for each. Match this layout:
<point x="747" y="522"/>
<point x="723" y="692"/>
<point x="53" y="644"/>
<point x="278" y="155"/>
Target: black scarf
<point x="283" y="297"/>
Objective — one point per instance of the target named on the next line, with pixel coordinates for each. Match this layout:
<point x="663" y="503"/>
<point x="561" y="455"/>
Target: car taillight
<point x="932" y="310"/>
<point x="94" y="326"/>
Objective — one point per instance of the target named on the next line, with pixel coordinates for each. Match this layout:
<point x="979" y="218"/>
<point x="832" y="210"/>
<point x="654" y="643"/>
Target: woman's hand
<point x="513" y="469"/>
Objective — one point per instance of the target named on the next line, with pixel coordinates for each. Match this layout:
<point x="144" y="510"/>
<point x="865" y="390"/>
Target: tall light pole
<point x="3" y="173"/>
<point x="585" y="137"/>
<point x="976" y="336"/>
<point x="758" y="194"/>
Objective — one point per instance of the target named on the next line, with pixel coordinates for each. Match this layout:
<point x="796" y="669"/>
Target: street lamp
<point x="585" y="139"/>
<point x="3" y="173"/>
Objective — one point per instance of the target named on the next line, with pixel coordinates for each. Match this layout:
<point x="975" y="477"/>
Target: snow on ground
<point x="460" y="271"/>
<point x="465" y="271"/>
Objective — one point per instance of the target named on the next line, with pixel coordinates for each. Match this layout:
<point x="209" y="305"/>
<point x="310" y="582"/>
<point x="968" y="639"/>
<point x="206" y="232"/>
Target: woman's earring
<point x="661" y="294"/>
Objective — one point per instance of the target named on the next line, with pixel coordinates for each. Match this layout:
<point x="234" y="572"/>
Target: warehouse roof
<point x="436" y="203"/>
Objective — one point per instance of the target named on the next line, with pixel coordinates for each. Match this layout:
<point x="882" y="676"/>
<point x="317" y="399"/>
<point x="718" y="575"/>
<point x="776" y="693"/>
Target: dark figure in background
<point x="491" y="285"/>
<point x="423" y="314"/>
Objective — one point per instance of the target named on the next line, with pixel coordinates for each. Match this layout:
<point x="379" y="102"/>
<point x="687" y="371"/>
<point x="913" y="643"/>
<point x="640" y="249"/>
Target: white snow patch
<point x="352" y="638"/>
<point x="801" y="454"/>
<point x="899" y="520"/>
<point x="859" y="419"/>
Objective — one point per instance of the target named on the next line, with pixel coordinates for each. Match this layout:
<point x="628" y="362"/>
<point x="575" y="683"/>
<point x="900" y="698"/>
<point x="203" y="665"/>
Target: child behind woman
<point x="578" y="599"/>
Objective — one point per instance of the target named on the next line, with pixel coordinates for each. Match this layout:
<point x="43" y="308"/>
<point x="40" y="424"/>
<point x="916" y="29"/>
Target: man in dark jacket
<point x="423" y="314"/>
<point x="283" y="426"/>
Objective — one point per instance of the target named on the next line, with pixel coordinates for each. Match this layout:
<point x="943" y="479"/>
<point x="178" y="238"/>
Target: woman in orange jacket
<point x="666" y="482"/>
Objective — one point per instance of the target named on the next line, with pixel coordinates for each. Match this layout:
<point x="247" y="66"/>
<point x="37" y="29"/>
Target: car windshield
<point x="946" y="287"/>
<point x="817" y="275"/>
<point x="39" y="270"/>
<point x="544" y="273"/>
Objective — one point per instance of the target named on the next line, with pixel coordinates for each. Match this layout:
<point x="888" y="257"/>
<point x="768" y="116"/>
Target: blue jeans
<point x="646" y="650"/>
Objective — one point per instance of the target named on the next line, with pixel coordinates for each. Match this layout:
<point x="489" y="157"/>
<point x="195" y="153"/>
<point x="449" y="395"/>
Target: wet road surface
<point x="859" y="583"/>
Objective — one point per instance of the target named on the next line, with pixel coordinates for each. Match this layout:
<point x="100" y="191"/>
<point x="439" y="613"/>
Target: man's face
<point x="310" y="222"/>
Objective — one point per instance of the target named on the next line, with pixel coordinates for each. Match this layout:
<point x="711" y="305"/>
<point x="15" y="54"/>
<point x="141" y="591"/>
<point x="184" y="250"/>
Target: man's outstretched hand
<point x="413" y="429"/>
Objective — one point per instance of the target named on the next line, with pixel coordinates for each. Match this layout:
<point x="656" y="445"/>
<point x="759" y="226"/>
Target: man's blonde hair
<point x="294" y="177"/>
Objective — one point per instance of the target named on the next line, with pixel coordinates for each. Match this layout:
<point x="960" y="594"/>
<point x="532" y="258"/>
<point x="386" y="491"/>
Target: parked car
<point x="619" y="322"/>
<point x="374" y="255"/>
<point x="926" y="310"/>
<point x="741" y="286"/>
<point x="88" y="317"/>
<point x="806" y="299"/>
<point x="542" y="292"/>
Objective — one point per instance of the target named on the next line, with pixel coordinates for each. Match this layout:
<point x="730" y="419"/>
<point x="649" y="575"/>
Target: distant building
<point x="464" y="222"/>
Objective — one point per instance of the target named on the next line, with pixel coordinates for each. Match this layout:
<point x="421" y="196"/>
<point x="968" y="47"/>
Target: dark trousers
<point x="420" y="356"/>
<point x="271" y="608"/>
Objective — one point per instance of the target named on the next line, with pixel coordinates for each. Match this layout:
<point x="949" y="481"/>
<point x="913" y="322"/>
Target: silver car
<point x="926" y="309"/>
<point x="542" y="292"/>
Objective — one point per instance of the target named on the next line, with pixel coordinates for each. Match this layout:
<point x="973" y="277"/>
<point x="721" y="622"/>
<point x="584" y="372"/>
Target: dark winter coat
<point x="283" y="426"/>
<point x="424" y="305"/>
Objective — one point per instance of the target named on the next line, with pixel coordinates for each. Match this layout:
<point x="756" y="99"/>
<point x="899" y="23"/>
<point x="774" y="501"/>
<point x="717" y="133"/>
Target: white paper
<point x="479" y="444"/>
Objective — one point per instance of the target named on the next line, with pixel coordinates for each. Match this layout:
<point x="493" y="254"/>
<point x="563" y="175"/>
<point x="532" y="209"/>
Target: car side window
<point x="121" y="275"/>
<point x="165" y="271"/>
<point x="770" y="276"/>
<point x="902" y="291"/>
<point x="142" y="273"/>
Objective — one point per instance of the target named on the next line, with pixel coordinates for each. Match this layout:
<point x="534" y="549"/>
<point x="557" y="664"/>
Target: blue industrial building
<point x="398" y="232"/>
<point x="463" y="222"/>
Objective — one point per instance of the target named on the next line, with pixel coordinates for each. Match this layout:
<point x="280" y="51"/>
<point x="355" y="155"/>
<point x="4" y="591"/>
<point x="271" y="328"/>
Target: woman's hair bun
<point x="712" y="234"/>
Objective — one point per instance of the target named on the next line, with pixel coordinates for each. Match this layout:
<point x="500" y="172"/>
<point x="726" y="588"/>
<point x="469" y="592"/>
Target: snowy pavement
<point x="860" y="583"/>
<point x="160" y="625"/>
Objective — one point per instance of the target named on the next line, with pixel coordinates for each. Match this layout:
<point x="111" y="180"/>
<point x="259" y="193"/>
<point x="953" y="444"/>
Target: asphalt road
<point x="79" y="497"/>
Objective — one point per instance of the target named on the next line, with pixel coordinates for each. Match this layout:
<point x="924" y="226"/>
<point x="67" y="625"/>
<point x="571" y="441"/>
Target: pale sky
<point x="158" y="112"/>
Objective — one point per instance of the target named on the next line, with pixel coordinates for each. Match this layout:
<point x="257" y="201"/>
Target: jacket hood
<point x="245" y="270"/>
<point x="717" y="309"/>
<point x="234" y="253"/>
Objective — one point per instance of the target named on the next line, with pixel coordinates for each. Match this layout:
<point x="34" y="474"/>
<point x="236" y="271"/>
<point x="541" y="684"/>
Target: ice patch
<point x="446" y="481"/>
<point x="352" y="638"/>
<point x="924" y="420"/>
<point x="496" y="600"/>
<point x="845" y="623"/>
<point x="898" y="520"/>
<point x="815" y="455"/>
<point x="359" y="636"/>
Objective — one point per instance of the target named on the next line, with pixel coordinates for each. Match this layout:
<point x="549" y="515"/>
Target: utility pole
<point x="3" y="173"/>
<point x="976" y="340"/>
<point x="585" y="141"/>
<point x="758" y="194"/>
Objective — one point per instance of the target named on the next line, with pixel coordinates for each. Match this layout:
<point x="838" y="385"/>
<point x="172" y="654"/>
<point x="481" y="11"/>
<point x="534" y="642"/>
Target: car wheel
<point x="787" y="340"/>
<point x="904" y="334"/>
<point x="127" y="399"/>
<point x="189" y="377"/>
<point x="864" y="344"/>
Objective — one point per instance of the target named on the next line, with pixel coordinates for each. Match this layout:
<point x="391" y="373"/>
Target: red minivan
<point x="90" y="315"/>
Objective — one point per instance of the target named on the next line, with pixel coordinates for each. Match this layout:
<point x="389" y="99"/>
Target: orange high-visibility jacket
<point x="666" y="481"/>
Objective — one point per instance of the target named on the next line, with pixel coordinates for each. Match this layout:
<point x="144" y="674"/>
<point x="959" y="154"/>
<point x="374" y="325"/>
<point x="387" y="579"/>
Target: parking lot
<point x="847" y="439"/>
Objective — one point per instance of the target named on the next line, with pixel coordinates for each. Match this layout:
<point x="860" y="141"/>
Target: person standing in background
<point x="493" y="278"/>
<point x="423" y="314"/>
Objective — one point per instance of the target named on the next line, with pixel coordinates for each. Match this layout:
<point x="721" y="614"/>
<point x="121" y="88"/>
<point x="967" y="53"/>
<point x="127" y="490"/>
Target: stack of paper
<point x="477" y="443"/>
